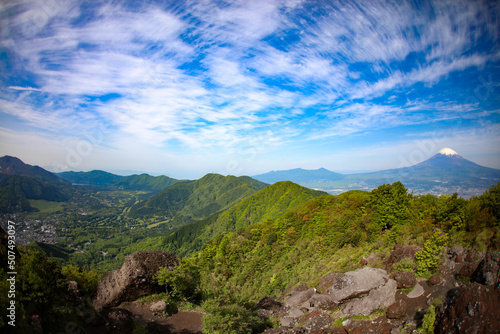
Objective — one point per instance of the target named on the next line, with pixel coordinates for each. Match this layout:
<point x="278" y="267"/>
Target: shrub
<point x="223" y="316"/>
<point x="430" y="316"/>
<point x="428" y="259"/>
<point x="405" y="264"/>
<point x="182" y="283"/>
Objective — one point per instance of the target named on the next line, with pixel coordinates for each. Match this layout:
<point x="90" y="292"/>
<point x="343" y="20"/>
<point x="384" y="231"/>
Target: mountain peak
<point x="447" y="151"/>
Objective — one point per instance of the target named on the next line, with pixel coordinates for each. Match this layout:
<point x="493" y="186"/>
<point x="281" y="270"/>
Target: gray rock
<point x="457" y="251"/>
<point x="300" y="297"/>
<point x="357" y="283"/>
<point x="324" y="302"/>
<point x="159" y="307"/>
<point x="378" y="298"/>
<point x="295" y="312"/>
<point x="417" y="291"/>
<point x="287" y="321"/>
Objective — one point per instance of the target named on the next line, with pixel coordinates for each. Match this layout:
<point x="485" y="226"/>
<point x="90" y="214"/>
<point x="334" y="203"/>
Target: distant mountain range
<point x="444" y="173"/>
<point x="183" y="201"/>
<point x="299" y="175"/>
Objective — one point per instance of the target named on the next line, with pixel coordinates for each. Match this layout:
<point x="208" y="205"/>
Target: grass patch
<point x="46" y="206"/>
<point x="158" y="224"/>
<point x="373" y="315"/>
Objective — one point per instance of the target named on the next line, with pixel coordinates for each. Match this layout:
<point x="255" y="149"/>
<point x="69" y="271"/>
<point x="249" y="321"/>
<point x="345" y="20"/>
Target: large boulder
<point x="363" y="291"/>
<point x="471" y="308"/>
<point x="298" y="298"/>
<point x="134" y="279"/>
<point x="405" y="279"/>
<point x="324" y="302"/>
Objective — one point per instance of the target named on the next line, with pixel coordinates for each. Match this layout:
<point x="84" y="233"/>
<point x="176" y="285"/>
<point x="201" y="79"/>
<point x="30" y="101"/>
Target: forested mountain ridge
<point x="267" y="203"/>
<point x="196" y="200"/>
<point x="95" y="177"/>
<point x="131" y="182"/>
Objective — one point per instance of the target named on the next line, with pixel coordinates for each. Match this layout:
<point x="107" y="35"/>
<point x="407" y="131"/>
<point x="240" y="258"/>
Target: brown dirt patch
<point x="184" y="322"/>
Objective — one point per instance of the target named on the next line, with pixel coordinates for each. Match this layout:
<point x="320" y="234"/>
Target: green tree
<point x="428" y="259"/>
<point x="182" y="282"/>
<point x="390" y="204"/>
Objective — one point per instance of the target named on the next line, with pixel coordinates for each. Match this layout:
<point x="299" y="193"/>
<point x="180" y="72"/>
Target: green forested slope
<point x="95" y="177"/>
<point x="195" y="200"/>
<point x="146" y="182"/>
<point x="131" y="182"/>
<point x="267" y="203"/>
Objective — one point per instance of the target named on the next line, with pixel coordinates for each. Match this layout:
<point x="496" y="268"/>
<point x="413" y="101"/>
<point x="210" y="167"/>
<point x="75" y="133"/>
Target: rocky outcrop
<point x="363" y="291"/>
<point x="468" y="308"/>
<point x="324" y="302"/>
<point x="300" y="297"/>
<point x="472" y="308"/>
<point x="487" y="272"/>
<point x="405" y="280"/>
<point x="134" y="279"/>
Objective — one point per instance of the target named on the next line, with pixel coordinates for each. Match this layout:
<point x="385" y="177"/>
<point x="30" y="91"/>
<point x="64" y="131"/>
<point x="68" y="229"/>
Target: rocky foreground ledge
<point x="367" y="300"/>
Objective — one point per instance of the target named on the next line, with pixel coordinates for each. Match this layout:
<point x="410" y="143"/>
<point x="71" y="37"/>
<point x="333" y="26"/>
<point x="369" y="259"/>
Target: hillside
<point x="16" y="190"/>
<point x="268" y="203"/>
<point x="146" y="182"/>
<point x="95" y="177"/>
<point x="195" y="200"/>
<point x="131" y="182"/>
<point x="14" y="166"/>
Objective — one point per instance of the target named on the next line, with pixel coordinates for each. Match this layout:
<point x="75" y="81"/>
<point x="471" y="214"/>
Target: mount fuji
<point x="446" y="172"/>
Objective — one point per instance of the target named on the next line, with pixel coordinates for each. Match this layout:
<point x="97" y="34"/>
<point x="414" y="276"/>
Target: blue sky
<point x="184" y="88"/>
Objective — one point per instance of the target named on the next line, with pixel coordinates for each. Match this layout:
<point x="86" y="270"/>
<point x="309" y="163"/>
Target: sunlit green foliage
<point x="428" y="259"/>
<point x="390" y="204"/>
<point x="87" y="279"/>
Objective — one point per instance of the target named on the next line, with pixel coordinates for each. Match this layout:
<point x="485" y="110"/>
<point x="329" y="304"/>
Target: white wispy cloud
<point x="212" y="76"/>
<point x="23" y="88"/>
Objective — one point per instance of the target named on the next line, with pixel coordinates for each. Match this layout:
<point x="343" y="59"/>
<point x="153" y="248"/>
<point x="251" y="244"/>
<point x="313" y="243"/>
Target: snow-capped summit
<point x="447" y="151"/>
